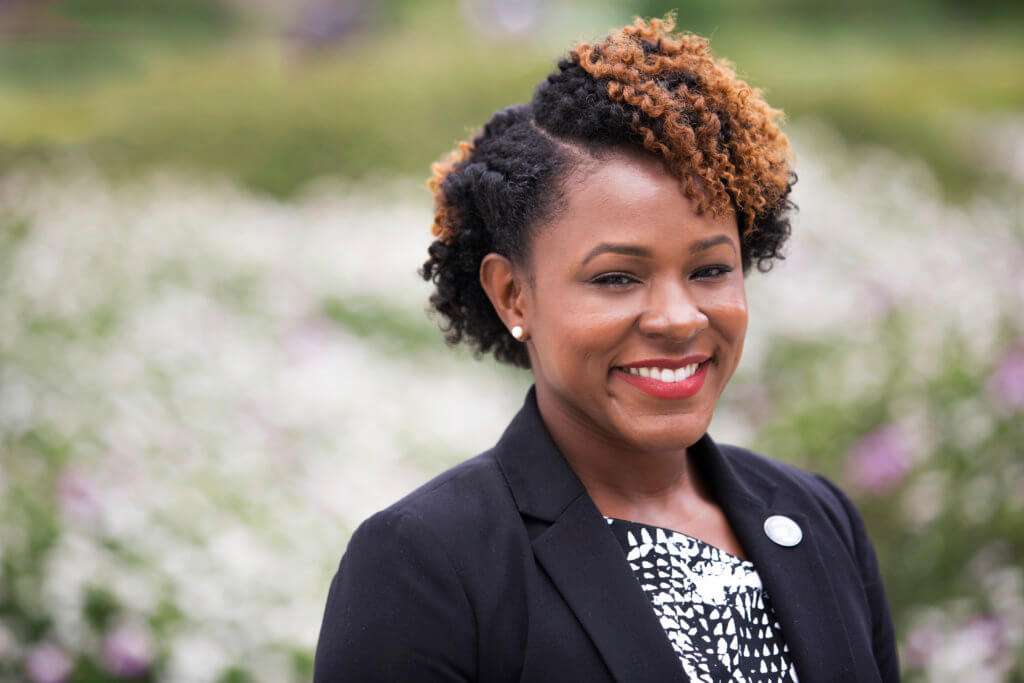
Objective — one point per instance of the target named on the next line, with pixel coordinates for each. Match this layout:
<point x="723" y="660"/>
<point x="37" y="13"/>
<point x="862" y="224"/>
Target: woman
<point x="599" y="236"/>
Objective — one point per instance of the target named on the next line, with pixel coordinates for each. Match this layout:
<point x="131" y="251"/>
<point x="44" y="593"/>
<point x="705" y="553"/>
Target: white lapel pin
<point x="783" y="530"/>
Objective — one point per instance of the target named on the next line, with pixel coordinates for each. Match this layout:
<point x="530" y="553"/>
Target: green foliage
<point x="41" y="64"/>
<point x="707" y="14"/>
<point x="235" y="675"/>
<point x="160" y="19"/>
<point x="100" y="607"/>
<point x="303" y="663"/>
<point x="397" y="97"/>
<point x="88" y="671"/>
<point x="381" y="323"/>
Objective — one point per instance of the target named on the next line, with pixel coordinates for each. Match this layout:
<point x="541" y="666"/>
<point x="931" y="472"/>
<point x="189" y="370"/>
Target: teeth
<point x="665" y="374"/>
<point x="684" y="372"/>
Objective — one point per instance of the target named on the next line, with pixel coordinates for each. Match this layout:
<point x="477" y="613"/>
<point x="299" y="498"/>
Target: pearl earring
<point x="517" y="332"/>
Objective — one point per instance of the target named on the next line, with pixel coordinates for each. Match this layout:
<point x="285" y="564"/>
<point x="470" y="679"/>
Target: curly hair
<point x="642" y="85"/>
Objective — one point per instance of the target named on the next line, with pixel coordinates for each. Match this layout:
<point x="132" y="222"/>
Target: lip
<point x="670" y="363"/>
<point x="667" y="390"/>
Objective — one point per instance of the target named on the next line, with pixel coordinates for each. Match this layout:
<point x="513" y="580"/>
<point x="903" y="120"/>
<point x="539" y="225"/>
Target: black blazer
<point x="502" y="569"/>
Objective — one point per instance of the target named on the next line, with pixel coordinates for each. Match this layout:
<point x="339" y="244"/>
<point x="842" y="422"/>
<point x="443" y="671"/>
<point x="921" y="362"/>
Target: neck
<point x="623" y="480"/>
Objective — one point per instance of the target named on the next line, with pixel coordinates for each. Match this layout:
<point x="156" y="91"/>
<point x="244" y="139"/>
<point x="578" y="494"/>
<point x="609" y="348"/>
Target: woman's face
<point x="634" y="306"/>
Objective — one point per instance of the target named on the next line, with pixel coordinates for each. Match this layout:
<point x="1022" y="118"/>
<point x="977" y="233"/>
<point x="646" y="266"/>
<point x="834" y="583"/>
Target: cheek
<point x="584" y="335"/>
<point x="581" y="317"/>
<point x="728" y="316"/>
<point x="575" y="336"/>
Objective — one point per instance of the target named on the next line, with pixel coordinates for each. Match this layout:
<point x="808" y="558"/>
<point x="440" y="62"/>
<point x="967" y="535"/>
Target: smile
<point x="666" y="382"/>
<point x="666" y="374"/>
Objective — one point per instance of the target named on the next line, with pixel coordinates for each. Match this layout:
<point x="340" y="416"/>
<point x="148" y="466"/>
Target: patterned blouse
<point x="711" y="605"/>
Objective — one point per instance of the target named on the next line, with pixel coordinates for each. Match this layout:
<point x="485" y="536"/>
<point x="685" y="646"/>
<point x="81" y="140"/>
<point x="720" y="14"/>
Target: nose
<point x="672" y="313"/>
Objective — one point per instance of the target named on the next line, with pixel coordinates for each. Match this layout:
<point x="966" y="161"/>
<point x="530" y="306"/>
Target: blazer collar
<point x="543" y="484"/>
<point x="588" y="567"/>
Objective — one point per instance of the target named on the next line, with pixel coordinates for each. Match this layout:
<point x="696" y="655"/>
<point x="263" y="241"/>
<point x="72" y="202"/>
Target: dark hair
<point x="641" y="86"/>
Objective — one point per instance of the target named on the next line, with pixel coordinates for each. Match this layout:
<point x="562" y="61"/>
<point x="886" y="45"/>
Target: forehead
<point x="628" y="195"/>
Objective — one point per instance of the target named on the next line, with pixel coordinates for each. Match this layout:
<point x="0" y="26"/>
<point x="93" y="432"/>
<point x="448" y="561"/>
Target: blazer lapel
<point x="582" y="556"/>
<point x="587" y="564"/>
<point x="796" y="579"/>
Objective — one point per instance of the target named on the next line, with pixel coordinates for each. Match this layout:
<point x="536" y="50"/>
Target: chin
<point x="667" y="432"/>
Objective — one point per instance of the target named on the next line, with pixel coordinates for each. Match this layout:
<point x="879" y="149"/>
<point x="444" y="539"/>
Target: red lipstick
<point x="668" y="390"/>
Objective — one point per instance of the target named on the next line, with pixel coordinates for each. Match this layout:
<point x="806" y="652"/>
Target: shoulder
<point x="400" y="589"/>
<point x="465" y="488"/>
<point x="830" y="511"/>
<point x="814" y="494"/>
<point x="460" y="505"/>
<point x="781" y="473"/>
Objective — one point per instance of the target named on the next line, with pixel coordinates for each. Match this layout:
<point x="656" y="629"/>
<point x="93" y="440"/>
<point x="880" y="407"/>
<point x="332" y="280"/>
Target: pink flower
<point x="922" y="643"/>
<point x="127" y="651"/>
<point x="77" y="494"/>
<point x="1006" y="385"/>
<point x="989" y="631"/>
<point x="47" y="663"/>
<point x="308" y="342"/>
<point x="880" y="461"/>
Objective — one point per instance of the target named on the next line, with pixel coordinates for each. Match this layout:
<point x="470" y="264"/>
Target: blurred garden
<point x="215" y="359"/>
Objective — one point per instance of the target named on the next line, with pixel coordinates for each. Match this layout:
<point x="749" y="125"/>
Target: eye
<point x="614" y="279"/>
<point x="712" y="272"/>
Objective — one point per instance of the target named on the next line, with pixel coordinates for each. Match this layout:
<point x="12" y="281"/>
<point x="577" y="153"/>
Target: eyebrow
<point x="644" y="252"/>
<point x="624" y="249"/>
<point x="711" y="242"/>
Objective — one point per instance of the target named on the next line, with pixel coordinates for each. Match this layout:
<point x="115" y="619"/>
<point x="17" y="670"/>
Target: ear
<point x="503" y="284"/>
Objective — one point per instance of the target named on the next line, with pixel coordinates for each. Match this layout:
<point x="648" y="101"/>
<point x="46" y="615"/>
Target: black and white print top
<point x="711" y="604"/>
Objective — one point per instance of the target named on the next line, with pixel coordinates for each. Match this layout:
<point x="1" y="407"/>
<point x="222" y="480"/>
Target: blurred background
<point x="214" y="354"/>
